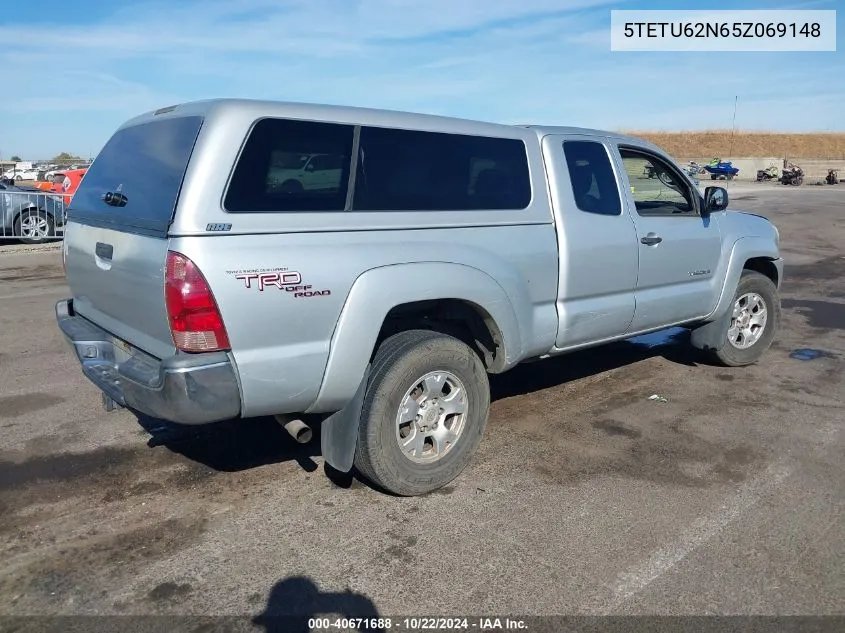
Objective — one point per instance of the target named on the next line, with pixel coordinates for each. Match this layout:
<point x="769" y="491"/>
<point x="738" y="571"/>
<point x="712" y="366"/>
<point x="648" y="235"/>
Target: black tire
<point x="752" y="281"/>
<point x="50" y="228"/>
<point x="400" y="360"/>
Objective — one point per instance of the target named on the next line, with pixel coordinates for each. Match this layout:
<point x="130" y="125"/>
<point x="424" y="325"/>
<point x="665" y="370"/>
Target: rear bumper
<point x="187" y="389"/>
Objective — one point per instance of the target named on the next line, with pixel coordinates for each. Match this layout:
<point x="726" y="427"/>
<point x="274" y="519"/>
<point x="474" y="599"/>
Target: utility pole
<point x="733" y="128"/>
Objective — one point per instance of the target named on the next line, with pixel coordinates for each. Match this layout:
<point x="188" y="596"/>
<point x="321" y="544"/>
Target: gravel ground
<point x="585" y="497"/>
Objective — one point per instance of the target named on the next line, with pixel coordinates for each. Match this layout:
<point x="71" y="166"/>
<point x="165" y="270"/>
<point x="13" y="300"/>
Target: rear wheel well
<point x="32" y="209"/>
<point x="764" y="266"/>
<point x="464" y="320"/>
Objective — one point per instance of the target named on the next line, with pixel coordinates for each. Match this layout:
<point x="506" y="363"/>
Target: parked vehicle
<point x="64" y="182"/>
<point x="792" y="175"/>
<point x="22" y="174"/>
<point x="721" y="170"/>
<point x="832" y="177"/>
<point x="29" y="215"/>
<point x="770" y="173"/>
<point x="443" y="250"/>
<point x="693" y="169"/>
<point x="293" y="173"/>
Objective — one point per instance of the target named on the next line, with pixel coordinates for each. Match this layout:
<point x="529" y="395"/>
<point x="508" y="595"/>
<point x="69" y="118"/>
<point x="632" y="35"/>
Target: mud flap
<point x="339" y="431"/>
<point x="712" y="337"/>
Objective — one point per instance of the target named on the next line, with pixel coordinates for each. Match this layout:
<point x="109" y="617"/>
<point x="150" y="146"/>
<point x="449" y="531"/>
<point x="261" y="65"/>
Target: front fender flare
<point x="711" y="335"/>
<point x="744" y="248"/>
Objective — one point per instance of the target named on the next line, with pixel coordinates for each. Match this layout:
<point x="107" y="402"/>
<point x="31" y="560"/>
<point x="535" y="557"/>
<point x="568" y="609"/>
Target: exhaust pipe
<point x="298" y="430"/>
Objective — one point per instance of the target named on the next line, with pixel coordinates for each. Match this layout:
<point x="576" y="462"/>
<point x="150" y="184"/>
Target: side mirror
<point x="715" y="199"/>
<point x="309" y="167"/>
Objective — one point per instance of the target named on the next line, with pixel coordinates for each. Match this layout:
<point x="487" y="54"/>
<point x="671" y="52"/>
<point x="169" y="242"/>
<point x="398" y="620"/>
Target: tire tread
<point x="753" y="281"/>
<point x="373" y="460"/>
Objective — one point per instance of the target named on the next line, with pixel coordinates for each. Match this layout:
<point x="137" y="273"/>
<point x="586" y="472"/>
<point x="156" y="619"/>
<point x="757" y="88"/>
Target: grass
<point x="710" y="143"/>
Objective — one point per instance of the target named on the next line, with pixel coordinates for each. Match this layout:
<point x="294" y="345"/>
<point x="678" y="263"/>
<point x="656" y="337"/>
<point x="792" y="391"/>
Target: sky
<point x="74" y="71"/>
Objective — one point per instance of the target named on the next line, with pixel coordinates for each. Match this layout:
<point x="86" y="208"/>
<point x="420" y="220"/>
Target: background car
<point x="63" y="182"/>
<point x="29" y="215"/>
<point x="292" y="173"/>
<point x="25" y="174"/>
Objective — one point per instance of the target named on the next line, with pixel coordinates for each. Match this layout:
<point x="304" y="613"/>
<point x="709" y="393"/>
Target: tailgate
<point x="117" y="281"/>
<point x="116" y="240"/>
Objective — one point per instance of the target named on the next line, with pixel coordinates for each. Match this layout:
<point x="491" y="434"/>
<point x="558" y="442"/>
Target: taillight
<point x="195" y="321"/>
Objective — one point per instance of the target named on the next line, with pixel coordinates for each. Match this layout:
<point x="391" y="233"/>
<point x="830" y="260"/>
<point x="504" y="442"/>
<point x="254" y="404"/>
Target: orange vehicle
<point x="66" y="182"/>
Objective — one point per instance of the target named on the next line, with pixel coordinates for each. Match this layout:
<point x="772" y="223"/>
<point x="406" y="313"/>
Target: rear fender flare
<point x="375" y="292"/>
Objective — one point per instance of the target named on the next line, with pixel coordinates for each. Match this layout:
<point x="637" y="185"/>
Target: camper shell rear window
<point x="145" y="164"/>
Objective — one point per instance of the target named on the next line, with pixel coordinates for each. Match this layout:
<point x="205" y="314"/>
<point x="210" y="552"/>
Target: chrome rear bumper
<point x="186" y="388"/>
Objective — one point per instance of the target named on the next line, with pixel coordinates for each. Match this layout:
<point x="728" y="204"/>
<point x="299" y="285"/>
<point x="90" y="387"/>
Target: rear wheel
<point x="34" y="227"/>
<point x="424" y="412"/>
<point x="754" y="320"/>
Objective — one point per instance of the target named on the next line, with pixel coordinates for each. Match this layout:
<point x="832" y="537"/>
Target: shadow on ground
<point x="233" y="445"/>
<point x="294" y="601"/>
<point x="672" y="344"/>
<point x="236" y="445"/>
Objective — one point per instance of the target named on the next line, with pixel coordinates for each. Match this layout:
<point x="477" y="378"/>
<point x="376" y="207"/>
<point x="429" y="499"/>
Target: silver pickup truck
<point x="237" y="258"/>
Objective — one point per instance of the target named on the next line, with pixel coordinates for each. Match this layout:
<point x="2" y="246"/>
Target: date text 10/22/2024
<point x="417" y="624"/>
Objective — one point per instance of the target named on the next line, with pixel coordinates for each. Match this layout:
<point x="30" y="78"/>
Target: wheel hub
<point x="748" y="322"/>
<point x="431" y="417"/>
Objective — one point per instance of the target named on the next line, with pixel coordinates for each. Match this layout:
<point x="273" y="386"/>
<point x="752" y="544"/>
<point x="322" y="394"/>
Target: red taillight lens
<point x="195" y="321"/>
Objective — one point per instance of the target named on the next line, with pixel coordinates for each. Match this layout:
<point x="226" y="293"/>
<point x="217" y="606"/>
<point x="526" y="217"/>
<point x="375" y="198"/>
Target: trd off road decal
<point x="279" y="279"/>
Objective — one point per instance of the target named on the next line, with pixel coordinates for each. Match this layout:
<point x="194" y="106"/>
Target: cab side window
<point x="655" y="187"/>
<point x="594" y="185"/>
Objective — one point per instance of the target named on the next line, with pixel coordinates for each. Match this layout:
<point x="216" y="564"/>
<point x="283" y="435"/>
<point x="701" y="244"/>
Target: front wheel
<point x="34" y="227"/>
<point x="754" y="320"/>
<point x="424" y="412"/>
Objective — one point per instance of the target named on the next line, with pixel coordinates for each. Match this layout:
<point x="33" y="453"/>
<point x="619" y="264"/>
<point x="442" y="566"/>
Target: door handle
<point x="651" y="239"/>
<point x="104" y="251"/>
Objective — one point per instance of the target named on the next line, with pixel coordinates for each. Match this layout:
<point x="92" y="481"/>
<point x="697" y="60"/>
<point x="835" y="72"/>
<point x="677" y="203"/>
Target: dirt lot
<point x="709" y="143"/>
<point x="586" y="497"/>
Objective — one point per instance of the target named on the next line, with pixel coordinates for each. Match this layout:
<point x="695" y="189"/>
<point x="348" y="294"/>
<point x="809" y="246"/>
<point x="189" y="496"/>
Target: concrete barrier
<point x="814" y="169"/>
